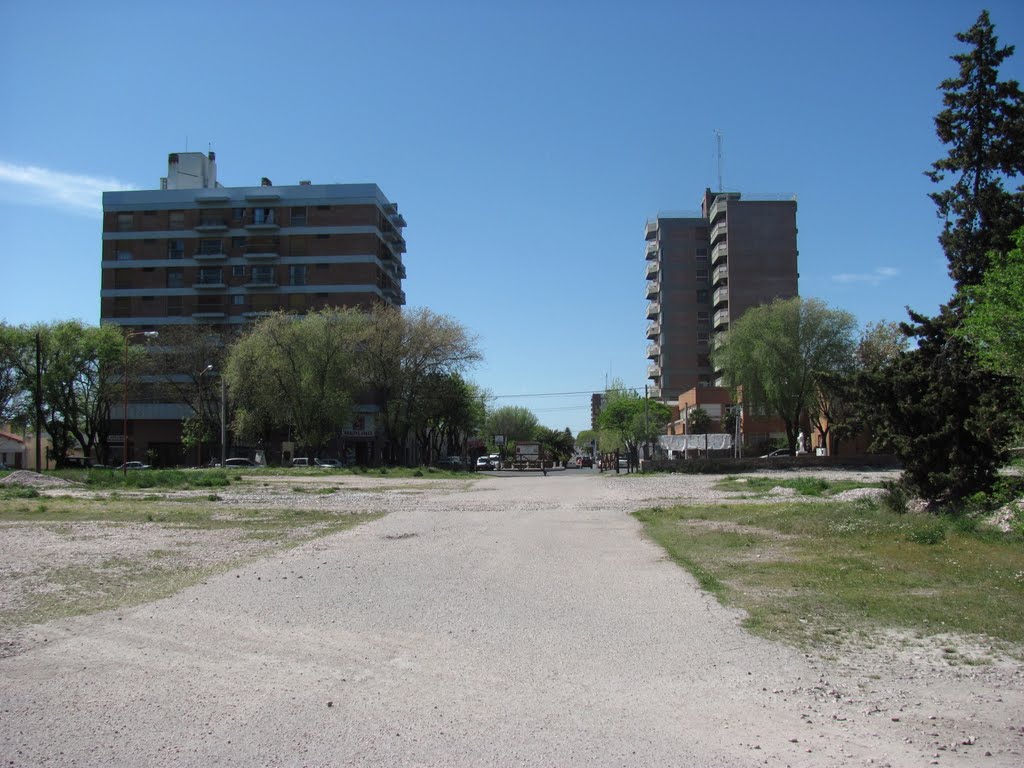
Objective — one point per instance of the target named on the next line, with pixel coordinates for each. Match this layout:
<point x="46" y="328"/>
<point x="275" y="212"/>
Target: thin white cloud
<point x="41" y="186"/>
<point x="872" y="278"/>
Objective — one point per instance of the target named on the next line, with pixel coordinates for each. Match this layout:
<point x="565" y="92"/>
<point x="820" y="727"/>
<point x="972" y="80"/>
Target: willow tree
<point x="779" y="352"/>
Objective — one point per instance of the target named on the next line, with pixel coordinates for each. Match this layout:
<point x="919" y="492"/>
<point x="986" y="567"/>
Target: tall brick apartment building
<point x="705" y="269"/>
<point x="196" y="252"/>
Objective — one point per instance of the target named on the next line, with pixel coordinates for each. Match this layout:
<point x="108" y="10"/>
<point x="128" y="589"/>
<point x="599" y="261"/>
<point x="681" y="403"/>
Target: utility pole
<point x="223" y="421"/>
<point x="39" y="404"/>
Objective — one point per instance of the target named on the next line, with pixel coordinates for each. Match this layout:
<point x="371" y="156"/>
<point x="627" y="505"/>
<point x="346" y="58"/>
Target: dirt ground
<point x="506" y="621"/>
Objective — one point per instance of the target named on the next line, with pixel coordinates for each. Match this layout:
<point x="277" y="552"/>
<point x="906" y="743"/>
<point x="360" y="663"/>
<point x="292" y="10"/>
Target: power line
<point x="563" y="394"/>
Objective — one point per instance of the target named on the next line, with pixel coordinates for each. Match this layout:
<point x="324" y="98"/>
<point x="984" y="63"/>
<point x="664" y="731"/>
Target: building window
<point x="123" y="307"/>
<point x="125" y="221"/>
<point x="238" y="300"/>
<point x="210" y="247"/>
<point x="703" y="319"/>
<point x="210" y="276"/>
<point x="702" y="274"/>
<point x="173" y="306"/>
<point x="238" y="242"/>
<point x="238" y="214"/>
<point x="238" y="270"/>
<point x="298" y="218"/>
<point x="176" y="220"/>
<point x="262" y="215"/>
<point x="262" y="275"/>
<point x="175" y="249"/>
<point x="702" y="337"/>
<point x="702" y="296"/>
<point x="124" y="255"/>
<point x="297" y="246"/>
<point x="702" y="252"/>
<point x="175" y="278"/>
<point x="297" y="275"/>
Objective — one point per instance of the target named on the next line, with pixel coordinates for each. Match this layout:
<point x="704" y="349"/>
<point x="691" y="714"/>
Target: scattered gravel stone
<point x="36" y="480"/>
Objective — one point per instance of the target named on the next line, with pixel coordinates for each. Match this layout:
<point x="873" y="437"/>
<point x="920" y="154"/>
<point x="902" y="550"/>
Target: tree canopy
<point x="983" y="126"/>
<point x="778" y="352"/>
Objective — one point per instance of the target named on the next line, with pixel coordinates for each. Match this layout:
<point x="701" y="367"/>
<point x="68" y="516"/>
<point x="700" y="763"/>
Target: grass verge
<point x="806" y="486"/>
<point x="141" y="550"/>
<point x="808" y="572"/>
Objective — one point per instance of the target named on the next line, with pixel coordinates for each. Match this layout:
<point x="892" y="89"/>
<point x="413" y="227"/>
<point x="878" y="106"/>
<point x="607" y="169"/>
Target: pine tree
<point x="983" y="125"/>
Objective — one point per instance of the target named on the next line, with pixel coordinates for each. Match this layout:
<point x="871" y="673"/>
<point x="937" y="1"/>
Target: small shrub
<point x="418" y="473"/>
<point x="895" y="498"/>
<point x="213" y="497"/>
<point x="19" y="492"/>
<point x="383" y="470"/>
<point x="928" y="534"/>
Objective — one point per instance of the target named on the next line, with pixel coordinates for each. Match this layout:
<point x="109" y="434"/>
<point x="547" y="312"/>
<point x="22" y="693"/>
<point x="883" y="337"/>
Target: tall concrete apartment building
<point x="196" y="252"/>
<point x="704" y="270"/>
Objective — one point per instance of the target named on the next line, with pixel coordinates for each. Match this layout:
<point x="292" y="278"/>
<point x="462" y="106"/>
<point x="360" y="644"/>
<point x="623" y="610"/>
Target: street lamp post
<point x="202" y="419"/>
<point x="124" y="413"/>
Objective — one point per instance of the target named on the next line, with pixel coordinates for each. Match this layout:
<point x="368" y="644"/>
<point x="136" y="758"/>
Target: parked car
<point x="484" y="463"/>
<point x="777" y="454"/>
<point x="240" y="462"/>
<point x="328" y="463"/>
<point x="301" y="463"/>
<point x="623" y="462"/>
<point x="133" y="465"/>
<point x="450" y="462"/>
<point x="584" y="461"/>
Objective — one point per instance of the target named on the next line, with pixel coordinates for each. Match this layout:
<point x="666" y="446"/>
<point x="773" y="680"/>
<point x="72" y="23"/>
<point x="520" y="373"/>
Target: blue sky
<point x="526" y="143"/>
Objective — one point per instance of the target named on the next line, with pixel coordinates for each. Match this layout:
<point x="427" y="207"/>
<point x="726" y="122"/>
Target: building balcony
<point x="266" y="222"/>
<point x="654" y="393"/>
<point x="261" y="255"/>
<point x="651" y="251"/>
<point x="210" y="256"/>
<point x="653" y="310"/>
<point x="721" y="321"/>
<point x="718" y="208"/>
<point x="652" y="269"/>
<point x="720" y="273"/>
<point x="720" y="253"/>
<point x="212" y="196"/>
<point x="653" y="371"/>
<point x="653" y="351"/>
<point x="211" y="225"/>
<point x="653" y="288"/>
<point x="202" y="312"/>
<point x="653" y="330"/>
<point x="720" y="230"/>
<point x="395" y="295"/>
<point x="651" y="230"/>
<point x="209" y="283"/>
<point x="720" y="297"/>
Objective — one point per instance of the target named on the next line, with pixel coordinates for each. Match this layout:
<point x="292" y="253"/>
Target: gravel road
<point x="512" y="621"/>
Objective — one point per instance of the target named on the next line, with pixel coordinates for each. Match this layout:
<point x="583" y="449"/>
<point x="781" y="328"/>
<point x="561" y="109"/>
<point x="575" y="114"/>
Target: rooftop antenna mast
<point x="718" y="147"/>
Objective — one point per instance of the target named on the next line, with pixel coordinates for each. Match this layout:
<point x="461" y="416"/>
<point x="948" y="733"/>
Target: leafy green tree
<point x="983" y="126"/>
<point x="448" y="413"/>
<point x="584" y="438"/>
<point x="994" y="314"/>
<point x="698" y="422"/>
<point x="516" y="423"/>
<point x="633" y="420"/>
<point x="777" y="353"/>
<point x="947" y="418"/>
<point x="299" y="372"/>
<point x="401" y="354"/>
<point x="555" y="443"/>
<point x="80" y="370"/>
